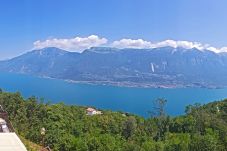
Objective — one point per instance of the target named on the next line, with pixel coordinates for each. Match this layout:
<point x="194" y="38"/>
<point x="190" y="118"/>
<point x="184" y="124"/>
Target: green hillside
<point x="68" y="128"/>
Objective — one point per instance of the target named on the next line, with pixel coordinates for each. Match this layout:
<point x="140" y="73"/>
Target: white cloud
<point x="140" y="44"/>
<point x="175" y="44"/>
<point x="217" y="50"/>
<point x="77" y="44"/>
<point x="130" y="43"/>
<point x="223" y="49"/>
<point x="213" y="49"/>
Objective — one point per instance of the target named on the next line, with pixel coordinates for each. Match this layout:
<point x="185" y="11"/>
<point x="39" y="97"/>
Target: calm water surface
<point x="134" y="100"/>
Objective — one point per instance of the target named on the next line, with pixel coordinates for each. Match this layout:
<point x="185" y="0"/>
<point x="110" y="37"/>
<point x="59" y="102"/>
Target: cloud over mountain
<point x="140" y="43"/>
<point x="77" y="44"/>
<point x="131" y="43"/>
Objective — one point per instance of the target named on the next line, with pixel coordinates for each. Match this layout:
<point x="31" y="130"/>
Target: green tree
<point x="129" y="127"/>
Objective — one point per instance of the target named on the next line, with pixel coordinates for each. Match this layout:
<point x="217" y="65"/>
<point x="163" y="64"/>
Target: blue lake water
<point x="133" y="100"/>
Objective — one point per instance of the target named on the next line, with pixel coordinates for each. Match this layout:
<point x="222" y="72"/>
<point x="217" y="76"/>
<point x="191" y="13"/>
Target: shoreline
<point x="128" y="84"/>
<point x="135" y="85"/>
<point x="139" y="85"/>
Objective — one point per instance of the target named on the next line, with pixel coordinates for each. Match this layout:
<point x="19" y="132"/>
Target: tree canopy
<point x="68" y="128"/>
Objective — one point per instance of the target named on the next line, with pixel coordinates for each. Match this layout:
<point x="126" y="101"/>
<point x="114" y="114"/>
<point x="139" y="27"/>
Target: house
<point x="92" y="111"/>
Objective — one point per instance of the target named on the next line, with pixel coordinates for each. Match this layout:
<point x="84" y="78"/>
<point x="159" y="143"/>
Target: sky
<point x="78" y="24"/>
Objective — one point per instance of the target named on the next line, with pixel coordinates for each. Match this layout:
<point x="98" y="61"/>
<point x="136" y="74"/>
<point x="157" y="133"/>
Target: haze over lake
<point x="134" y="100"/>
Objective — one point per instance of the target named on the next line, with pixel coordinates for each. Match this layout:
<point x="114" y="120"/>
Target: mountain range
<point x="158" y="67"/>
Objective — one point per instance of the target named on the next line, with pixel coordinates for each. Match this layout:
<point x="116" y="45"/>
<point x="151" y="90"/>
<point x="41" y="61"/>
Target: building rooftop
<point x="90" y="109"/>
<point x="11" y="142"/>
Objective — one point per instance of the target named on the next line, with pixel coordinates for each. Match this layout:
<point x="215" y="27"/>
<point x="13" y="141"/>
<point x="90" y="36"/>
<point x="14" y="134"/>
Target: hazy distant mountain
<point x="158" y="67"/>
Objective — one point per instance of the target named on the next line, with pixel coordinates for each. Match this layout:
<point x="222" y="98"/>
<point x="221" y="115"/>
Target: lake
<point x="133" y="100"/>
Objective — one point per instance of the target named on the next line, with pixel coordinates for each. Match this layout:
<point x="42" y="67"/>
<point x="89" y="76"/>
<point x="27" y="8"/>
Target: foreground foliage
<point x="202" y="128"/>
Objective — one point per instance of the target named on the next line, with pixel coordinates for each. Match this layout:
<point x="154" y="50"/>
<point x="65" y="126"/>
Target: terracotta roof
<point x="90" y="109"/>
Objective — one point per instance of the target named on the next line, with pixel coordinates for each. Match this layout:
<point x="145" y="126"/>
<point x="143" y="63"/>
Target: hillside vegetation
<point x="68" y="128"/>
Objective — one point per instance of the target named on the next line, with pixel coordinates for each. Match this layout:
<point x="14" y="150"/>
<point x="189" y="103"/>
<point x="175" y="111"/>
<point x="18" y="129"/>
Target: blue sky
<point x="26" y="21"/>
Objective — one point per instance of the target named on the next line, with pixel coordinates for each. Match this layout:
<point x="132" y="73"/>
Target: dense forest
<point x="68" y="128"/>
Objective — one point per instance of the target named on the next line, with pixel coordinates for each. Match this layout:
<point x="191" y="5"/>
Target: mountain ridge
<point x="157" y="67"/>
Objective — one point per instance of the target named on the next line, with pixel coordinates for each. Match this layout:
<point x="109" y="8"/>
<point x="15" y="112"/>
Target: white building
<point x="92" y="111"/>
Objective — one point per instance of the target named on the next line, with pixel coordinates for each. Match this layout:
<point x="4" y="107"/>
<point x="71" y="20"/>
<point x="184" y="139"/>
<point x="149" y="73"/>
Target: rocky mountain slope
<point x="158" y="67"/>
